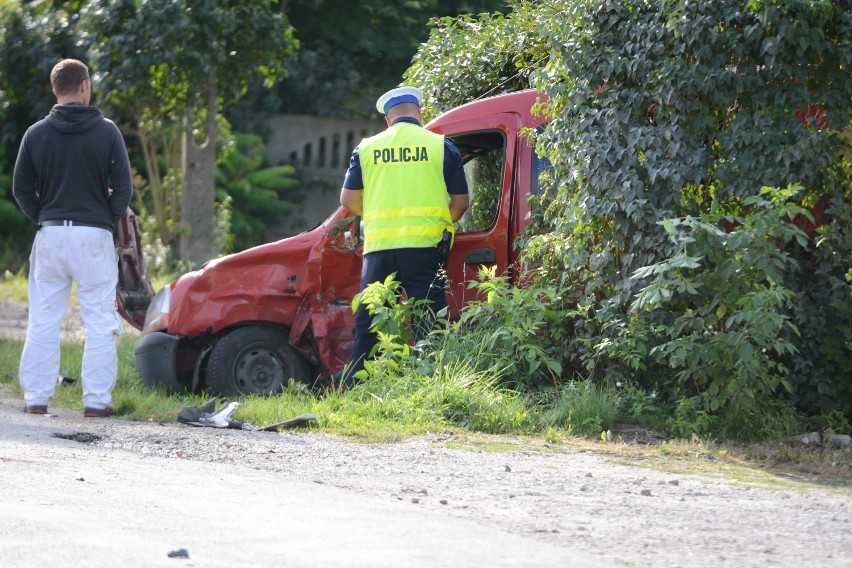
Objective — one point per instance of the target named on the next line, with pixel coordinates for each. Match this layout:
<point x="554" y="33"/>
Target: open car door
<point x="483" y="240"/>
<point x="134" y="291"/>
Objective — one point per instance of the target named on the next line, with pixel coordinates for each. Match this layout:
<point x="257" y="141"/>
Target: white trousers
<point x="61" y="255"/>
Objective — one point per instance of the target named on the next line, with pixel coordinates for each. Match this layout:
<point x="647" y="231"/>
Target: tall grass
<point x="385" y="406"/>
<point x="13" y="287"/>
<point x="452" y="395"/>
<point x="584" y="408"/>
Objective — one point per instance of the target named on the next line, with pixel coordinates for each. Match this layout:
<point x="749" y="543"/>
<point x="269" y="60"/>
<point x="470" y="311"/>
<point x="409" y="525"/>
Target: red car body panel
<point x="264" y="283"/>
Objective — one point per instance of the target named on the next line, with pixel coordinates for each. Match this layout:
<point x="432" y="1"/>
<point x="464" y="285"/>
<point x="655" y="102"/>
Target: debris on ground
<point x="179" y="553"/>
<point x="207" y="415"/>
<point x="82" y="437"/>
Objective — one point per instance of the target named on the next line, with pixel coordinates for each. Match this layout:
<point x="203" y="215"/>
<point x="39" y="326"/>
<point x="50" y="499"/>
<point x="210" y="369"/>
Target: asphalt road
<point x="68" y="503"/>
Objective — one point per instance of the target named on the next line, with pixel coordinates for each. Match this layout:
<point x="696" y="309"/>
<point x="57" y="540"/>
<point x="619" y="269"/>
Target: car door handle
<point x="481" y="256"/>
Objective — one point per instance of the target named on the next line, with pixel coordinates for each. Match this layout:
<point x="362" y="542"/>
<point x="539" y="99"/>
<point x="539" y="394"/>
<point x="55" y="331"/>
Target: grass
<point x="584" y="408"/>
<point x="13" y="287"/>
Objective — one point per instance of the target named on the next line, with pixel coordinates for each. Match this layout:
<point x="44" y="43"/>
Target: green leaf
<point x="745" y="351"/>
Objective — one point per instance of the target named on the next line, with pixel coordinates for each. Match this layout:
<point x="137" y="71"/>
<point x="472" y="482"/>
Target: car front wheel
<point x="254" y="360"/>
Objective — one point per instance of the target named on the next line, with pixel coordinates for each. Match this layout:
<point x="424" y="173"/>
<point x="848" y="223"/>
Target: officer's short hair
<point x="67" y="76"/>
<point x="402" y="109"/>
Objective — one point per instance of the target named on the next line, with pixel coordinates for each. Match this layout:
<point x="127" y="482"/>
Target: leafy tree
<point x="176" y="65"/>
<point x="664" y="109"/>
<point x="350" y="52"/>
<point x="490" y="54"/>
<point x="147" y="53"/>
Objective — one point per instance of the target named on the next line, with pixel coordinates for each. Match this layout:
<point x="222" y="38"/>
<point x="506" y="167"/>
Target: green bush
<point x="724" y="322"/>
<point x="690" y="419"/>
<point x="637" y="406"/>
<point x="821" y="367"/>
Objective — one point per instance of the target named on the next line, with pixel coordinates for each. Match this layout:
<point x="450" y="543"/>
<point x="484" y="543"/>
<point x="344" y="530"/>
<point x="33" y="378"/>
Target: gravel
<point x="625" y="512"/>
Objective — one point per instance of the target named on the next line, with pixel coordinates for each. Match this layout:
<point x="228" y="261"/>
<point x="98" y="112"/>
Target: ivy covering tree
<point x="667" y="119"/>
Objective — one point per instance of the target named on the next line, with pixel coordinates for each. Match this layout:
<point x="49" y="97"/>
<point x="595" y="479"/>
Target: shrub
<point x="681" y="111"/>
<point x="724" y="324"/>
<point x="821" y="367"/>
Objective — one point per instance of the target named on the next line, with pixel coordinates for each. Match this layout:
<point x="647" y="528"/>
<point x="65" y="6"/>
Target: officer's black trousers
<point x="419" y="271"/>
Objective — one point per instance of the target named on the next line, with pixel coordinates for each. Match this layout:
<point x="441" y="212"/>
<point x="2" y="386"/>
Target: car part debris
<point x="206" y="415"/>
<point x="82" y="437"/>
<point x="300" y="420"/>
<point x="193" y="413"/>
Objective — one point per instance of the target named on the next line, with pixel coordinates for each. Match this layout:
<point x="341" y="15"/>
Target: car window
<point x="543" y="174"/>
<point x="484" y="155"/>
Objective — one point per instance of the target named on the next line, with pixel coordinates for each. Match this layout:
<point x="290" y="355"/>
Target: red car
<point x="250" y="321"/>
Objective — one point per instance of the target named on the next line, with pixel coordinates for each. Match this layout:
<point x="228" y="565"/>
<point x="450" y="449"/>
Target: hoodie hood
<point x="73" y="119"/>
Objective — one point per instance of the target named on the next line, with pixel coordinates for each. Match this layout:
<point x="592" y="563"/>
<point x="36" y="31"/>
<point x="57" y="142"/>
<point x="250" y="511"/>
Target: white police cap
<point x="397" y="96"/>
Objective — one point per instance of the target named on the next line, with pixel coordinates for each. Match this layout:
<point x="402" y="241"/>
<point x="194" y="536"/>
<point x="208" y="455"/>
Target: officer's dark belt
<point x="69" y="223"/>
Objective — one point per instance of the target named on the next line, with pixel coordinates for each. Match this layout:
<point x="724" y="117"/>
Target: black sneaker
<point x="35" y="408"/>
<point x="89" y="412"/>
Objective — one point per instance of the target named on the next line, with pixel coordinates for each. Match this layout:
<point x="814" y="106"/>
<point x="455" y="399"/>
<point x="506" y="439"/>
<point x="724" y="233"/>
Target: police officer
<point x="408" y="185"/>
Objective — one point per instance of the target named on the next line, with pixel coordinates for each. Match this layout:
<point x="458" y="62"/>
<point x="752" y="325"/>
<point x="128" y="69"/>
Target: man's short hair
<point x="67" y="76"/>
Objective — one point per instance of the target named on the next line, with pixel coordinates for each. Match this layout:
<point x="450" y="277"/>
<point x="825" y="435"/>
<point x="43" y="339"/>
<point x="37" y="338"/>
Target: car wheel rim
<point x="258" y="369"/>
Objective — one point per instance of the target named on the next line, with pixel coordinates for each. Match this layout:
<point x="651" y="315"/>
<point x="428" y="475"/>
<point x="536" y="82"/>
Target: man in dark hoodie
<point x="72" y="178"/>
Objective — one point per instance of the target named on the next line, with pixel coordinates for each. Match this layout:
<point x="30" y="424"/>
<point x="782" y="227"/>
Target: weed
<point x="511" y="328"/>
<point x="584" y="408"/>
<point x="14" y="288"/>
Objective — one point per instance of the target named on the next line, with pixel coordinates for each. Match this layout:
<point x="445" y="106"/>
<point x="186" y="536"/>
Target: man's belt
<point x="69" y="223"/>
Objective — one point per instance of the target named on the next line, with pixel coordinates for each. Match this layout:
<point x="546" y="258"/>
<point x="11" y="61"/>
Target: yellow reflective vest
<point x="405" y="195"/>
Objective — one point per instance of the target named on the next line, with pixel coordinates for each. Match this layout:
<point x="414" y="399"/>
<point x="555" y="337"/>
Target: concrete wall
<point x="321" y="146"/>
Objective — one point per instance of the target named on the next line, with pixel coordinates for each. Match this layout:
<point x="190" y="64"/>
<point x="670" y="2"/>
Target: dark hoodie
<point x="67" y="164"/>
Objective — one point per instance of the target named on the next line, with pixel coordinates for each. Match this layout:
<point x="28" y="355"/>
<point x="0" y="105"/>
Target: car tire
<point x="254" y="360"/>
